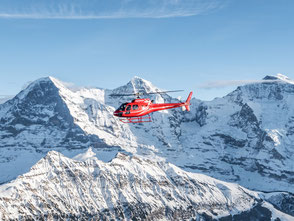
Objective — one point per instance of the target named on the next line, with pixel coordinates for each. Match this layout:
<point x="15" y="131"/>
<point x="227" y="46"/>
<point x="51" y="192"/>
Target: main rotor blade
<point x="119" y="95"/>
<point x="163" y="92"/>
<point x="143" y="93"/>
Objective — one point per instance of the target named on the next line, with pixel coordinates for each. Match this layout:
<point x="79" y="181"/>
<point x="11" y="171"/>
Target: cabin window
<point x="122" y="107"/>
<point x="128" y="108"/>
<point x="135" y="107"/>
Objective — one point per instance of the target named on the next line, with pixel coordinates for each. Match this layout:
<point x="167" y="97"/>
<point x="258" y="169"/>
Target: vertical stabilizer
<point x="187" y="103"/>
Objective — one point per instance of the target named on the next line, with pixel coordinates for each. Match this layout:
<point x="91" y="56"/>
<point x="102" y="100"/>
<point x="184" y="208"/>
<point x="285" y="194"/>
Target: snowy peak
<point x="136" y="84"/>
<point x="278" y="78"/>
<point x="142" y="84"/>
<point x="41" y="86"/>
<point x="40" y="98"/>
<point x="274" y="88"/>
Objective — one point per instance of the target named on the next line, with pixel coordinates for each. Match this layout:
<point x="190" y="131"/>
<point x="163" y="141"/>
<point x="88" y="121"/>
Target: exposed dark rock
<point x="228" y="140"/>
<point x="201" y="114"/>
<point x="283" y="201"/>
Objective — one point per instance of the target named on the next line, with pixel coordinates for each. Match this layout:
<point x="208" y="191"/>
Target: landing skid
<point x="142" y="119"/>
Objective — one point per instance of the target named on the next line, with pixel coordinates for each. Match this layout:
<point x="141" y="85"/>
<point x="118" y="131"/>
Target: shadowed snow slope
<point x="58" y="187"/>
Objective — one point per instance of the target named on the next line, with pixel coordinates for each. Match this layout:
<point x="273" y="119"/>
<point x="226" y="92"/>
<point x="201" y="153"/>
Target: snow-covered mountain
<point x="127" y="188"/>
<point x="245" y="137"/>
<point x="47" y="115"/>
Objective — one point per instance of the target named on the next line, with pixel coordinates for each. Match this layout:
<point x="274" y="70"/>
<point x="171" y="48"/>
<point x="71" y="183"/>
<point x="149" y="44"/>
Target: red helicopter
<point x="139" y="109"/>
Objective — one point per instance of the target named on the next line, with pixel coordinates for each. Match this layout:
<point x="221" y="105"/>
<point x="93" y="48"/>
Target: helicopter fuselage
<point x="142" y="107"/>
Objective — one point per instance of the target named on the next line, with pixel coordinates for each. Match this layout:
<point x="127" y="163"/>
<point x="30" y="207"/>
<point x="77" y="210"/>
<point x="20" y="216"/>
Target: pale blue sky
<point x="176" y="44"/>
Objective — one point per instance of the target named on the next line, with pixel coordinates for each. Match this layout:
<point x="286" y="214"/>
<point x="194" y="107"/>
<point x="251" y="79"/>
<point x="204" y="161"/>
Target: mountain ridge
<point x="228" y="138"/>
<point x="127" y="187"/>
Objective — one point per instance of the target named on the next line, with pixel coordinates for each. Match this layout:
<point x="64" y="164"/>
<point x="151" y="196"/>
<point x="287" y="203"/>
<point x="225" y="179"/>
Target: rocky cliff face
<point x="126" y="188"/>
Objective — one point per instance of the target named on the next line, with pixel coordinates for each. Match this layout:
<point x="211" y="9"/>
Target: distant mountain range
<point x="246" y="137"/>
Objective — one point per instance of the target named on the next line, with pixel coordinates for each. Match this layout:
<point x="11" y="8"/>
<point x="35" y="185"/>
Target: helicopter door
<point x="135" y="107"/>
<point x="128" y="109"/>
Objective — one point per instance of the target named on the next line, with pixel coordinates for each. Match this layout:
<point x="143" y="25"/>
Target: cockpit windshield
<point x="122" y="107"/>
